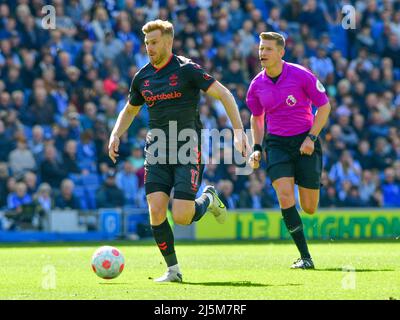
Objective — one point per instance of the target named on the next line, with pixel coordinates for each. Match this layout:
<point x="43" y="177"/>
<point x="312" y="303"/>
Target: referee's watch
<point x="312" y="137"/>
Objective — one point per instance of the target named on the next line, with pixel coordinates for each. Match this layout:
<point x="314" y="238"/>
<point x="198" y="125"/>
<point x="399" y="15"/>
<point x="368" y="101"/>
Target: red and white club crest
<point x="173" y="80"/>
<point x="291" y="100"/>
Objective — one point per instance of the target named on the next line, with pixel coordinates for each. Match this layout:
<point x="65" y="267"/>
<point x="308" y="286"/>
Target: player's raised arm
<point x="220" y="92"/>
<point x="125" y="119"/>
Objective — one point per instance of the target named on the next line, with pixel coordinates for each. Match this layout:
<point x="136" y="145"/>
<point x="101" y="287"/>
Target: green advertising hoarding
<point x="335" y="224"/>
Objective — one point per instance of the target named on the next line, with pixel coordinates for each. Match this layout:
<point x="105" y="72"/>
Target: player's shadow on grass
<point x="238" y="284"/>
<point x="356" y="270"/>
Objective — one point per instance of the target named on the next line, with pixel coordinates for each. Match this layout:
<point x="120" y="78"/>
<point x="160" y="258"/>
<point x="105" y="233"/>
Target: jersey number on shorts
<point x="195" y="177"/>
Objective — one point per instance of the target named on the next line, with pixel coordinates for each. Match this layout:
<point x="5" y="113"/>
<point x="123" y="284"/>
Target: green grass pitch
<point x="211" y="270"/>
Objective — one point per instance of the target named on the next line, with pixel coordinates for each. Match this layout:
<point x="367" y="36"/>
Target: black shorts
<point x="184" y="178"/>
<point x="284" y="160"/>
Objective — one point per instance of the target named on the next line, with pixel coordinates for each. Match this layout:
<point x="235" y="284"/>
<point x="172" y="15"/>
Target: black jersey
<point x="172" y="93"/>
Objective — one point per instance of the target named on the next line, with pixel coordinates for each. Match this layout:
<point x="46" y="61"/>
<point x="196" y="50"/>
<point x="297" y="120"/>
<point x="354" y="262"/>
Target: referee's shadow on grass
<point x="238" y="284"/>
<point x="355" y="270"/>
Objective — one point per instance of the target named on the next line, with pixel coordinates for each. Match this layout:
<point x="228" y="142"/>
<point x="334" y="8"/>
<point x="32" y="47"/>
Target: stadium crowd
<point x="61" y="90"/>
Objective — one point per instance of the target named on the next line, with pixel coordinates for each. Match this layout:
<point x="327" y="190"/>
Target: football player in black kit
<point x="170" y="86"/>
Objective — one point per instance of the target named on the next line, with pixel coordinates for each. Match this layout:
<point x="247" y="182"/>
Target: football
<point x="108" y="262"/>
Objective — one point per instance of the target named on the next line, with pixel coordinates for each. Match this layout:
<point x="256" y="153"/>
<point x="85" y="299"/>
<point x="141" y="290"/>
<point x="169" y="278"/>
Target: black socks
<point x="165" y="241"/>
<point x="200" y="207"/>
<point x="294" y="225"/>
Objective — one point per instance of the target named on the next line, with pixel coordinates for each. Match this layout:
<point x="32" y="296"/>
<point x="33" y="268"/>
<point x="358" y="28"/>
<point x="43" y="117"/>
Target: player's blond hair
<point x="280" y="40"/>
<point x="165" y="27"/>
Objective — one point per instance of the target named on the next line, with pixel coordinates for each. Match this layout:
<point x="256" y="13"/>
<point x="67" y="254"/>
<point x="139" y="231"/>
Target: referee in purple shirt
<point x="280" y="98"/>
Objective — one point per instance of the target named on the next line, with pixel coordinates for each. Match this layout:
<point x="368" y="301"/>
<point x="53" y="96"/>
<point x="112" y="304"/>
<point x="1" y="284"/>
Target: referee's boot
<point x="303" y="263"/>
<point x="217" y="207"/>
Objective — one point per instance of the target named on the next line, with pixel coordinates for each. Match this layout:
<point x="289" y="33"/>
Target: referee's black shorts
<point x="284" y="160"/>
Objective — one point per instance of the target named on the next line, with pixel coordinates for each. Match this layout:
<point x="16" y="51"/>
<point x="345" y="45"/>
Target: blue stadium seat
<point x="76" y="178"/>
<point x="91" y="179"/>
<point x="79" y="192"/>
<point x="90" y="195"/>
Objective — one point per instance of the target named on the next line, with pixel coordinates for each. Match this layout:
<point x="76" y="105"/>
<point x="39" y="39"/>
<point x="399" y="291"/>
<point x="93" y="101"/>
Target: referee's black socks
<point x="295" y="227"/>
<point x="165" y="242"/>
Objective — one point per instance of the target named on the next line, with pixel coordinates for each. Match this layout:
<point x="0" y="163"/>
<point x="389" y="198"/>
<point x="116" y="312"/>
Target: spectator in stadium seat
<point x="52" y="170"/>
<point x="292" y="11"/>
<point x="226" y="194"/>
<point x="328" y="197"/>
<point x="374" y="83"/>
<point x="236" y="15"/>
<point x="383" y="154"/>
<point x="43" y="108"/>
<point x="136" y="158"/>
<point x="255" y="197"/>
<point x="349" y="136"/>
<point x="353" y="198"/>
<point x="210" y="173"/>
<point x="127" y="181"/>
<point x="31" y="181"/>
<point x="44" y="203"/>
<point x="109" y="48"/>
<point x="358" y="125"/>
<point x="392" y="50"/>
<point x="346" y="169"/>
<point x="141" y="58"/>
<point x="396" y="167"/>
<point x="111" y="81"/>
<point x="5" y="100"/>
<point x="13" y="80"/>
<point x="4" y="176"/>
<point x="21" y="159"/>
<point x="101" y="23"/>
<point x="61" y="134"/>
<point x="234" y="74"/>
<point x="86" y="151"/>
<point x="88" y="118"/>
<point x="321" y="64"/>
<point x="73" y="124"/>
<point x="377" y="125"/>
<point x="335" y="144"/>
<point x="313" y="16"/>
<point x="126" y="35"/>
<point x="220" y="60"/>
<point x="6" y="144"/>
<point x="74" y="10"/>
<point x="390" y="189"/>
<point x="70" y="160"/>
<point x="36" y="144"/>
<point x="109" y="195"/>
<point x="126" y="58"/>
<point x="237" y="180"/>
<point x="19" y="205"/>
<point x="66" y="198"/>
<point x="367" y="186"/>
<point x="84" y="59"/>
